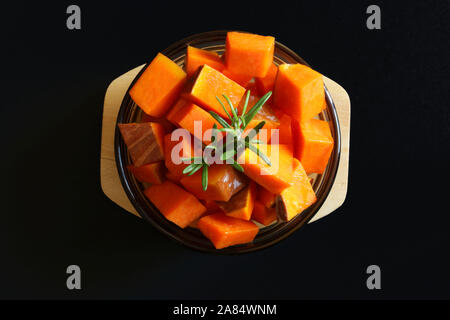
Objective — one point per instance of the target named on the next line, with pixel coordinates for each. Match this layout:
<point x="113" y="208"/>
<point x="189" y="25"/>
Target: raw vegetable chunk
<point x="264" y="114"/>
<point x="175" y="203"/>
<point x="174" y="151"/>
<point x="196" y="58"/>
<point x="298" y="197"/>
<point x="264" y="215"/>
<point x="265" y="197"/>
<point x="274" y="178"/>
<point x="185" y="113"/>
<point x="210" y="83"/>
<point x="223" y="182"/>
<point x="314" y="144"/>
<point x="249" y="54"/>
<point x="299" y="91"/>
<point x="243" y="80"/>
<point x="167" y="126"/>
<point x="241" y="204"/>
<point x="266" y="83"/>
<point x="159" y="86"/>
<point x="145" y="141"/>
<point x="285" y="130"/>
<point x="224" y="231"/>
<point x="151" y="173"/>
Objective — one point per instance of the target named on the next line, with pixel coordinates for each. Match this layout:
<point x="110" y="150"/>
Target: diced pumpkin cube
<point x="175" y="203"/>
<point x="159" y="86"/>
<point x="223" y="182"/>
<point x="145" y="141"/>
<point x="266" y="83"/>
<point x="249" y="54"/>
<point x="224" y="231"/>
<point x="167" y="126"/>
<point x="196" y="58"/>
<point x="210" y="83"/>
<point x="299" y="91"/>
<point x="151" y="173"/>
<point x="314" y="144"/>
<point x="293" y="200"/>
<point x="177" y="149"/>
<point x="265" y="197"/>
<point x="285" y="136"/>
<point x="211" y="206"/>
<point x="264" y="114"/>
<point x="172" y="177"/>
<point x="185" y="113"/>
<point x="243" y="80"/>
<point x="241" y="204"/>
<point x="274" y="178"/>
<point x="264" y="215"/>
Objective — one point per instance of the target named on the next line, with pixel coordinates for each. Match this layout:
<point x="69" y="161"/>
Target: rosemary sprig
<point x="235" y="129"/>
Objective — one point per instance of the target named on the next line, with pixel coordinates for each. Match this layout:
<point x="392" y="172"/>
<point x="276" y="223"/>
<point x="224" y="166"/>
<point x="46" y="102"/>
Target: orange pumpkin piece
<point x="167" y="126"/>
<point x="265" y="84"/>
<point x="158" y="86"/>
<point x="243" y="80"/>
<point x="293" y="200"/>
<point x="172" y="177"/>
<point x="265" y="197"/>
<point x="249" y="54"/>
<point x="299" y="91"/>
<point x="211" y="206"/>
<point x="196" y="58"/>
<point x="224" y="231"/>
<point x="274" y="178"/>
<point x="175" y="150"/>
<point x="264" y="215"/>
<point x="151" y="173"/>
<point x="210" y="83"/>
<point x="241" y="204"/>
<point x="145" y="141"/>
<point x="175" y="203"/>
<point x="223" y="182"/>
<point x="185" y="113"/>
<point x="314" y="144"/>
<point x="264" y="114"/>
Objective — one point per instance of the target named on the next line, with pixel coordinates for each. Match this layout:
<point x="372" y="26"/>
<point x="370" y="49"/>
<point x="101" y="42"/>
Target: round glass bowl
<point x="267" y="236"/>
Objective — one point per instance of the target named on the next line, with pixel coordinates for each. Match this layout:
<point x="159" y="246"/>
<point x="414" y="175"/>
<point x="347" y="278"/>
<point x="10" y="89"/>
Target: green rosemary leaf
<point x="259" y="153"/>
<point x="191" y="159"/>
<point x="246" y="102"/>
<point x="219" y="119"/>
<point x="256" y="141"/>
<point x="224" y="108"/>
<point x="233" y="110"/>
<point x="238" y="167"/>
<point x="258" y="105"/>
<point x="253" y="132"/>
<point x="196" y="168"/>
<point x="228" y="130"/>
<point x="190" y="167"/>
<point x="227" y="154"/>
<point x="205" y="178"/>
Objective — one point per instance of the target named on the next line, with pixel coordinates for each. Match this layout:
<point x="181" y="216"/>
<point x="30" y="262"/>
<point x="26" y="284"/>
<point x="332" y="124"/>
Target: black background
<point x="53" y="211"/>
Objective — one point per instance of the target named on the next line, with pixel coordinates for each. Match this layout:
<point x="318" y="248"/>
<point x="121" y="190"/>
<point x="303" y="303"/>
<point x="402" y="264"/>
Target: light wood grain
<point x="109" y="176"/>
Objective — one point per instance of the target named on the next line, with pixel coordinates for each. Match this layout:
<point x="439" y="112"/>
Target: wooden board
<point x="109" y="176"/>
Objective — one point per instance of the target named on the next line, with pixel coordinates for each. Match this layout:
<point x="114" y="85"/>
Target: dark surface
<point x="54" y="213"/>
